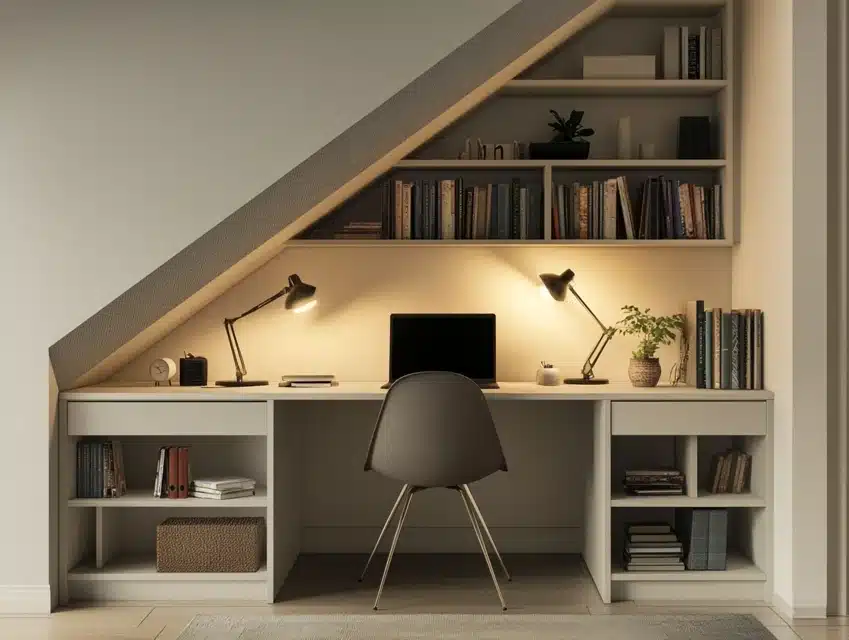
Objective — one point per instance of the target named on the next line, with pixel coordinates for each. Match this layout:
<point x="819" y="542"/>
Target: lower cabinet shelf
<point x="144" y="498"/>
<point x="703" y="500"/>
<point x="136" y="579"/>
<point x="739" y="569"/>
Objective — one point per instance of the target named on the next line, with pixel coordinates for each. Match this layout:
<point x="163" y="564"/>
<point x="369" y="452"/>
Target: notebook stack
<point x="654" y="482"/>
<point x="222" y="488"/>
<point x="653" y="547"/>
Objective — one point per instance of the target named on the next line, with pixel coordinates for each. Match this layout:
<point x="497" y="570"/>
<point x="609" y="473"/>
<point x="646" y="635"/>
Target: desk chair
<point x="435" y="431"/>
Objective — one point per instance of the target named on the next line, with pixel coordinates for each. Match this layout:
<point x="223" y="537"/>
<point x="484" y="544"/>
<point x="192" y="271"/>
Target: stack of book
<point x="724" y="348"/>
<point x="360" y="230"/>
<point x="668" y="210"/>
<point x="705" y="536"/>
<point x="730" y="472"/>
<point x="448" y="210"/>
<point x="654" y="482"/>
<point x="652" y="547"/>
<point x="222" y="488"/>
<point x="100" y="470"/>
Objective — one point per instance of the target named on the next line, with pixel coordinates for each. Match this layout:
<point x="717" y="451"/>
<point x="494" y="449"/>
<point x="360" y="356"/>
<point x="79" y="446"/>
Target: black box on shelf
<point x="193" y="371"/>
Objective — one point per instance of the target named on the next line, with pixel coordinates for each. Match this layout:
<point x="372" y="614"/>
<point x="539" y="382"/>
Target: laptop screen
<point x="460" y="343"/>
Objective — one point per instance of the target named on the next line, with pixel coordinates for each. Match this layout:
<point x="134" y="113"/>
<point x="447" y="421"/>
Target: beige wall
<point x="347" y="334"/>
<point x="764" y="261"/>
<point x="131" y="128"/>
<point x="781" y="266"/>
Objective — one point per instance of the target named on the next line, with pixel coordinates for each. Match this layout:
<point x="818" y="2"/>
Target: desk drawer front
<point x="167" y="418"/>
<point x="689" y="418"/>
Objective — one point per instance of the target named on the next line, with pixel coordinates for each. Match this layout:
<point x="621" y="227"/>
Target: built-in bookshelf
<point x="519" y="112"/>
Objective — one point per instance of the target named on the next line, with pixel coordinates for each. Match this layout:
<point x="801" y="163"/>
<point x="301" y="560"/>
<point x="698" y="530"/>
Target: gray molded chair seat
<point x="435" y="430"/>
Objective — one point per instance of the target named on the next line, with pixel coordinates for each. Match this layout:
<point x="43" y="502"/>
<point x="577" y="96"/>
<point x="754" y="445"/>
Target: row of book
<point x="730" y="471"/>
<point x="654" y="482"/>
<point x="692" y="54"/>
<point x="698" y="542"/>
<point x="446" y="210"/>
<point x="174" y="480"/>
<point x="669" y="209"/>
<point x="100" y="470"/>
<point x="724" y="348"/>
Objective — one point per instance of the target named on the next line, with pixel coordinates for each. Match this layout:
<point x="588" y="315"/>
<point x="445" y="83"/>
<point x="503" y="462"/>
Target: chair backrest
<point x="435" y="430"/>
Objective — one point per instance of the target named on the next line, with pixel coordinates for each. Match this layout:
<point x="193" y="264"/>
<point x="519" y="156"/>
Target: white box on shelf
<point x="620" y="67"/>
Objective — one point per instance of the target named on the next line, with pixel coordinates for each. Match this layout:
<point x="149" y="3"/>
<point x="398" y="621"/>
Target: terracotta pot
<point x="644" y="372"/>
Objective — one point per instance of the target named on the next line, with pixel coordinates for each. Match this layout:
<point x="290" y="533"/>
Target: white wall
<point x="129" y="130"/>
<point x="781" y="267"/>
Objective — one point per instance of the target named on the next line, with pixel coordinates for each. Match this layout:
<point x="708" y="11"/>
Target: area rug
<point x="483" y="627"/>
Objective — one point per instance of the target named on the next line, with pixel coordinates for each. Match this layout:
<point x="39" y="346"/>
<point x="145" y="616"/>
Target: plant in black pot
<point x="568" y="142"/>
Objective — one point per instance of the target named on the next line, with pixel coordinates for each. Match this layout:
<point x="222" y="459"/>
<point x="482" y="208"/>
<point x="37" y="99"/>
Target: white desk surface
<point x="372" y="391"/>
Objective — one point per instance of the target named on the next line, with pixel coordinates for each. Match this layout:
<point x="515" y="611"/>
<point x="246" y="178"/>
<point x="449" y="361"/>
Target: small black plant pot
<point x="560" y="150"/>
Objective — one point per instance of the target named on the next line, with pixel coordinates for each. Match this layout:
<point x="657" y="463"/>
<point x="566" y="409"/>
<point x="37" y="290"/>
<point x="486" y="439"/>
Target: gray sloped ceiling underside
<point x="269" y="213"/>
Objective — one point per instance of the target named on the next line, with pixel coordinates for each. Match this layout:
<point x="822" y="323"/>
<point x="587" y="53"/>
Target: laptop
<point x="458" y="342"/>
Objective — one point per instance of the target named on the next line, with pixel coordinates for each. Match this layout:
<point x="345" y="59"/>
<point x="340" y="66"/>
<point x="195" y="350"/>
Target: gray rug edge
<point x="510" y="618"/>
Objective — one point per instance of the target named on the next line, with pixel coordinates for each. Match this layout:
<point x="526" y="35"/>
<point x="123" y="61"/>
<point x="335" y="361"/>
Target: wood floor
<point x="416" y="584"/>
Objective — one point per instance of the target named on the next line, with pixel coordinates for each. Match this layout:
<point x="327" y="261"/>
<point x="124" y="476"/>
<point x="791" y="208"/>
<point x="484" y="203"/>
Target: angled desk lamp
<point x="558" y="286"/>
<point x="300" y="297"/>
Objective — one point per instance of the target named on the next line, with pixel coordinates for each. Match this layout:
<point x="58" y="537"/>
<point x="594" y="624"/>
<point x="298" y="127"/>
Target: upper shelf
<point x="615" y="87"/>
<point x="592" y="163"/>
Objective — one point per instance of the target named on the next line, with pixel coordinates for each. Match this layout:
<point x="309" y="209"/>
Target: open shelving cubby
<point x="519" y="111"/>
<point x="113" y="550"/>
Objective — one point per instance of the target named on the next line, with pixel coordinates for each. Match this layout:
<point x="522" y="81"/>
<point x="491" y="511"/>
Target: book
<point x="223" y="483"/>
<point x="693" y="525"/>
<point x="660" y="567"/>
<point x="703" y="52"/>
<point x="648" y="527"/>
<point x="652" y="537"/>
<point x="652" y="560"/>
<point x="658" y="549"/>
<point x="173" y="472"/>
<point x="716" y="53"/>
<point x="715" y="344"/>
<point x="734" y="349"/>
<point x="671" y="55"/>
<point x="160" y="473"/>
<point x="182" y="472"/>
<point x="708" y="349"/>
<point x="717" y="540"/>
<point x="725" y="351"/>
<point x="693" y="56"/>
<point x="684" y="41"/>
<point x="221" y="495"/>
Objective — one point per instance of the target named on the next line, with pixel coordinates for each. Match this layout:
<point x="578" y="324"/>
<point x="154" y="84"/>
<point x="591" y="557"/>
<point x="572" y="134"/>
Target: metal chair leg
<point x="392" y="548"/>
<point x="483" y="549"/>
<point x="468" y="492"/>
<point x="385" y="527"/>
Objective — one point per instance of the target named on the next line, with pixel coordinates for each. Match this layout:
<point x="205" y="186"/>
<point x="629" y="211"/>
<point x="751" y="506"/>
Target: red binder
<point x="183" y="473"/>
<point x="173" y="472"/>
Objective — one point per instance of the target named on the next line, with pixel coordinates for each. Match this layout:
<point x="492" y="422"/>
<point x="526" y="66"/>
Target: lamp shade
<point x="558" y="285"/>
<point x="301" y="296"/>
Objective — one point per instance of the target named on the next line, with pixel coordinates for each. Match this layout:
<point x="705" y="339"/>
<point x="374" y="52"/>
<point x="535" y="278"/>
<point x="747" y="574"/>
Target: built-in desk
<point x="100" y="559"/>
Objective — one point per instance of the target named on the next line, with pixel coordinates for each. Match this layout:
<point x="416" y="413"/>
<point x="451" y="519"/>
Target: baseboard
<point x="443" y="539"/>
<point x="25" y="600"/>
<point x="799" y="612"/>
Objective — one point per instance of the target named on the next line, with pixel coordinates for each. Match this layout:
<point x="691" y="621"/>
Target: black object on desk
<point x="300" y="296"/>
<point x="461" y="343"/>
<point x="193" y="371"/>
<point x="694" y="138"/>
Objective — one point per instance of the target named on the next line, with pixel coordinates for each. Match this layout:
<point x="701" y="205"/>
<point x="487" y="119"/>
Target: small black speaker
<point x="192" y="371"/>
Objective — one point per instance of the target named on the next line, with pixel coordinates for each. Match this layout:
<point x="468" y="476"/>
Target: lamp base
<point x="243" y="383"/>
<point x="586" y="381"/>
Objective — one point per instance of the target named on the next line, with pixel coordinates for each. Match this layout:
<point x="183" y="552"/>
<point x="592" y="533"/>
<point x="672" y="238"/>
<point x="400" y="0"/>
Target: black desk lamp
<point x="558" y="286"/>
<point x="300" y="296"/>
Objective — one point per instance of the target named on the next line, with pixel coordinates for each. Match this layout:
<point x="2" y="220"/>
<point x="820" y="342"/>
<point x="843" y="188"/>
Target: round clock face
<point x="162" y="369"/>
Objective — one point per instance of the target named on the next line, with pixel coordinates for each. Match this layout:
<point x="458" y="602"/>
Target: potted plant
<point x="568" y="142"/>
<point x="652" y="331"/>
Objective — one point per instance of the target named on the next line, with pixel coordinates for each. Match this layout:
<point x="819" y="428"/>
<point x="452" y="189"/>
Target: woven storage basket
<point x="210" y="545"/>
